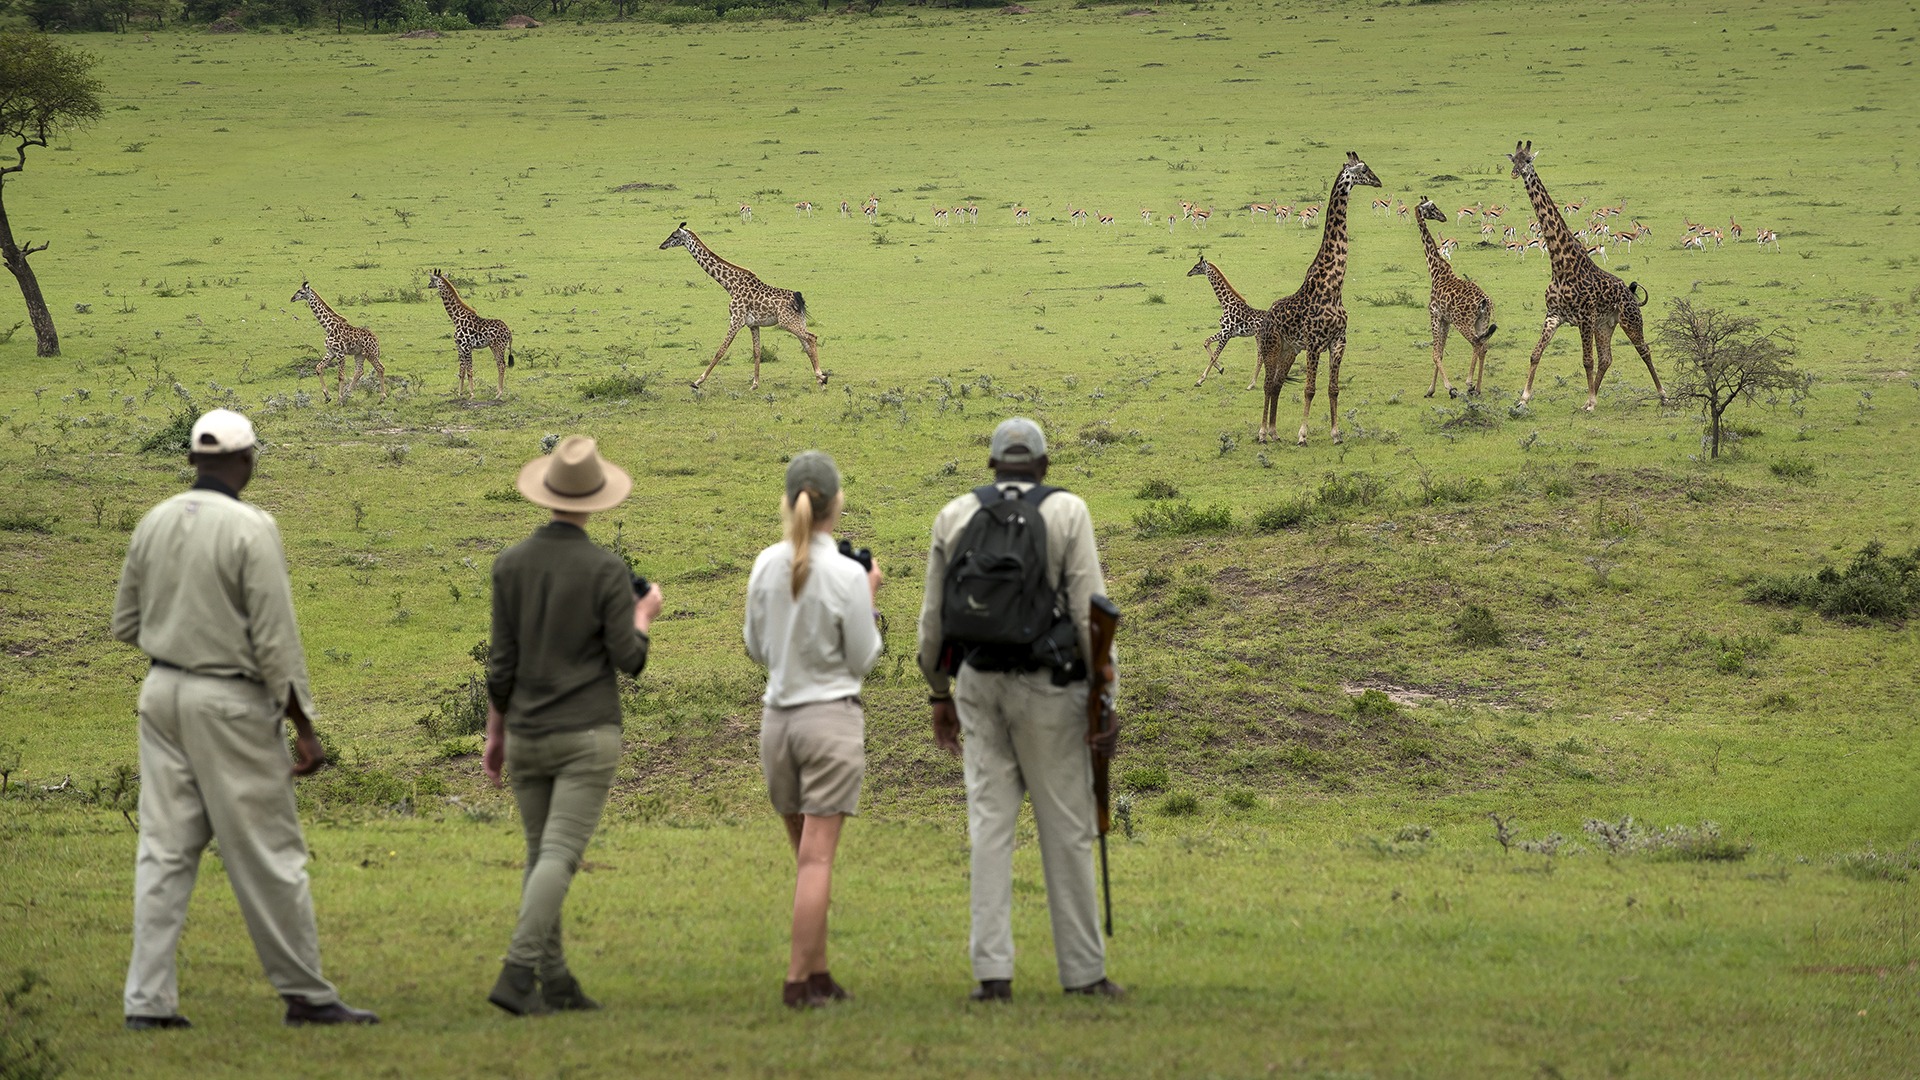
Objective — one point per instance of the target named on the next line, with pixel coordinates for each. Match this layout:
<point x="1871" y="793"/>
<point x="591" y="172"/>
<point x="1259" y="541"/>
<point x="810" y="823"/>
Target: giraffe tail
<point x="509" y="356"/>
<point x="1483" y="320"/>
<point x="799" y="303"/>
<point x="1639" y="294"/>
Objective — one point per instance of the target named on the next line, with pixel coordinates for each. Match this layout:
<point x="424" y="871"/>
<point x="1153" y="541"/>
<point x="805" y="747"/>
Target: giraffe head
<point x="1522" y="158"/>
<point x="1200" y="268"/>
<point x="1429" y="212"/>
<point x="435" y="280"/>
<point x="305" y="293"/>
<point x="1356" y="173"/>
<point x="680" y="237"/>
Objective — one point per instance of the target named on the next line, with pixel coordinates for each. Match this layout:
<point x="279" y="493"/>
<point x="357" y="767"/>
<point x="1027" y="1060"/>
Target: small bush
<point x="1353" y="489"/>
<point x="1286" y="515"/>
<point x="1793" y="468"/>
<point x="171" y="439"/>
<point x="1157" y="489"/>
<point x="1151" y="580"/>
<point x="626" y="384"/>
<point x="1181" y="519"/>
<point x="1374" y="705"/>
<point x="1872" y="865"/>
<point x="1241" y="799"/>
<point x="26" y="521"/>
<point x="1475" y="626"/>
<point x="1444" y="490"/>
<point x="1675" y="843"/>
<point x="1180" y="804"/>
<point x="1145" y="778"/>
<point x="1874" y="585"/>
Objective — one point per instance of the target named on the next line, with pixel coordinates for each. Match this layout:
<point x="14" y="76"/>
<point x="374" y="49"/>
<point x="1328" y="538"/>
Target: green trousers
<point x="560" y="782"/>
<point x="214" y="763"/>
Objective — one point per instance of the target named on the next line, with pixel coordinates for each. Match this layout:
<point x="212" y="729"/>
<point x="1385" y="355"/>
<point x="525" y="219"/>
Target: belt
<point x="159" y="663"/>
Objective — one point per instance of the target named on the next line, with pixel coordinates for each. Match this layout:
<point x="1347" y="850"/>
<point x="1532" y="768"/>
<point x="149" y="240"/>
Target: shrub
<point x="625" y="384"/>
<point x="1874" y="585"/>
<point x="1353" y="489"/>
<point x="1157" y="489"/>
<point x="1374" y="705"/>
<point x="1872" y="865"/>
<point x="26" y="521"/>
<point x="1181" y="519"/>
<point x="1145" y="778"/>
<point x="1475" y="626"/>
<point x="1180" y="804"/>
<point x="1286" y="515"/>
<point x="1793" y="468"/>
<point x="1242" y="799"/>
<point x="172" y="438"/>
<point x="1452" y="491"/>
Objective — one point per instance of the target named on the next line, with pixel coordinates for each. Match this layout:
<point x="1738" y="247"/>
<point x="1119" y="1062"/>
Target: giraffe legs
<point x="320" y="370"/>
<point x="1276" y="360"/>
<point x="754" y="332"/>
<point x="500" y="364"/>
<point x="1533" y="363"/>
<point x="1213" y="346"/>
<point x="1306" y="409"/>
<point x="1586" y="361"/>
<point x="466" y="370"/>
<point x="379" y="372"/>
<point x="1478" y="370"/>
<point x="797" y="326"/>
<point x="1630" y="322"/>
<point x="1440" y="331"/>
<point x="725" y="343"/>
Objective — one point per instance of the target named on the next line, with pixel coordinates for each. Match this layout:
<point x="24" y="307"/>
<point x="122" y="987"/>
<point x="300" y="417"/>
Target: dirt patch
<point x="521" y="22"/>
<point x="1016" y="9"/>
<point x="22" y="650"/>
<point x="226" y="25"/>
<point x="418" y="35"/>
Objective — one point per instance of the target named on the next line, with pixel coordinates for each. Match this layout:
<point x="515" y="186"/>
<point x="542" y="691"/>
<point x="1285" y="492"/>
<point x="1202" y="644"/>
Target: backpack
<point x="996" y="604"/>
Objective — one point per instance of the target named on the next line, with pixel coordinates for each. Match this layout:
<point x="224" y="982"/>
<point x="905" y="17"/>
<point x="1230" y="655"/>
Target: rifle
<point x="1104" y="620"/>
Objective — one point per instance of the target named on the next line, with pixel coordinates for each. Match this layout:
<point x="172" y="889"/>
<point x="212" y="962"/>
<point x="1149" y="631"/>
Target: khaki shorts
<point x="814" y="757"/>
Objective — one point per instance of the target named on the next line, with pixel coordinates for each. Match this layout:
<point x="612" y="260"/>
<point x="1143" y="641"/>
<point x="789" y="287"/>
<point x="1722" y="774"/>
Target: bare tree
<point x="1723" y="358"/>
<point x="46" y="88"/>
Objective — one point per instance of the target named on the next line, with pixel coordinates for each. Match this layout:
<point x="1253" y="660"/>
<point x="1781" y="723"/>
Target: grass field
<point x="1549" y="601"/>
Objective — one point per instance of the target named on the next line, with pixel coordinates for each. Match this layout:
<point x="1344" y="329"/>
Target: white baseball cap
<point x="1017" y="441"/>
<point x="221" y="431"/>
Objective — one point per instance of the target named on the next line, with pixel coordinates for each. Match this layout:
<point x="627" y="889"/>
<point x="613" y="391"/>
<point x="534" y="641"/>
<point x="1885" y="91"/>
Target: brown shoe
<point x="800" y="995"/>
<point x="992" y="990"/>
<point x="1105" y="988"/>
<point x="301" y="1012"/>
<point x="821" y="985"/>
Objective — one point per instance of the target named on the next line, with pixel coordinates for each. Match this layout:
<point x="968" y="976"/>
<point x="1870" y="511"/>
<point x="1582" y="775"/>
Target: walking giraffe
<point x="1313" y="318"/>
<point x="1455" y="303"/>
<point x="1237" y="317"/>
<point x="1580" y="292"/>
<point x="343" y="340"/>
<point x="751" y="303"/>
<point x="470" y="331"/>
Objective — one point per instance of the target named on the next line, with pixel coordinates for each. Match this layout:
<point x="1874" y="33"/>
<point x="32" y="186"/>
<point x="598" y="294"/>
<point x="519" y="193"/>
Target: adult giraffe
<point x="1581" y="293"/>
<point x="751" y="303"/>
<point x="1313" y="318"/>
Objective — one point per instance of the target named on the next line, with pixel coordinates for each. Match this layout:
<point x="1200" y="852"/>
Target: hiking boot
<point x="992" y="990"/>
<point x="157" y="1023"/>
<point x="1105" y="988"/>
<point x="562" y="993"/>
<point x="515" y="991"/>
<point x="301" y="1012"/>
<point x="821" y="985"/>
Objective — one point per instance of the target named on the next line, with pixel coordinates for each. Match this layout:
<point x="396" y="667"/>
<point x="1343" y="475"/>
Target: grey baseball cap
<point x="812" y="470"/>
<point x="1017" y="441"/>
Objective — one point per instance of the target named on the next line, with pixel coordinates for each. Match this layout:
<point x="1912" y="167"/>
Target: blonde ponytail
<point x="799" y="515"/>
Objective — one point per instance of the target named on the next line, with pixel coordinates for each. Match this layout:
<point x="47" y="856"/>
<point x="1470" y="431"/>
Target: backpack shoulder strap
<point x="1038" y="493"/>
<point x="988" y="494"/>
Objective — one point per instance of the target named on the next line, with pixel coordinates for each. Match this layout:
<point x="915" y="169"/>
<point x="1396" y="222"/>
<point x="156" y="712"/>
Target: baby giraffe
<point x="1455" y="302"/>
<point x="343" y="340"/>
<point x="1237" y="318"/>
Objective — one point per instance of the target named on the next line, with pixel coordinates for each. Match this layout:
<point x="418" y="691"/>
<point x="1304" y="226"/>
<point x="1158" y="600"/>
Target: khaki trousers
<point x="1024" y="735"/>
<point x="560" y="782"/>
<point x="214" y="764"/>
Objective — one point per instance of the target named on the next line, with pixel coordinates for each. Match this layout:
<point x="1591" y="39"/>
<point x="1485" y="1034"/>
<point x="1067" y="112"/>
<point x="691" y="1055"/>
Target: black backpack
<point x="997" y="608"/>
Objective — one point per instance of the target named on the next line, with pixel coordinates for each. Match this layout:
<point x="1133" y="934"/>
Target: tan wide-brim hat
<point x="575" y="477"/>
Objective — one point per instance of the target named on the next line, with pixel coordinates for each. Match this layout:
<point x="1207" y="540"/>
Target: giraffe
<point x="1313" y="319"/>
<point x="1580" y="292"/>
<point x="1237" y="317"/>
<point x="343" y="340"/>
<point x="470" y="331"/>
<point x="751" y="303"/>
<point x="1455" y="303"/>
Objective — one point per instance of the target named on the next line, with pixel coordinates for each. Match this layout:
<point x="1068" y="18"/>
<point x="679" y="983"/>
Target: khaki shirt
<point x="1073" y="565"/>
<point x="205" y="589"/>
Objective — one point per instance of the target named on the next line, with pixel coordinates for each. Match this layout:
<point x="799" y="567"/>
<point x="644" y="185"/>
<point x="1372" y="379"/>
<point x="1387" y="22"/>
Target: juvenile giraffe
<point x="343" y="340"/>
<point x="1237" y="317"/>
<point x="1581" y="292"/>
<point x="470" y="331"/>
<point x="751" y="303"/>
<point x="1455" y="303"/>
<point x="1313" y="318"/>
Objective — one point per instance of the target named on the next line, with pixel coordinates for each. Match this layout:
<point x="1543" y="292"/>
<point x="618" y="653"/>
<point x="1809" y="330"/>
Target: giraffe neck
<point x="1563" y="247"/>
<point x="1329" y="266"/>
<point x="1229" y="297"/>
<point x="456" y="307"/>
<point x="1436" y="265"/>
<point x="716" y="267"/>
<point x="327" y="316"/>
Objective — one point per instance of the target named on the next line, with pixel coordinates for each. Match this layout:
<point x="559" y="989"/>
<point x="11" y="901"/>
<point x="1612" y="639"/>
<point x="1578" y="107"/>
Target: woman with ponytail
<point x="810" y="621"/>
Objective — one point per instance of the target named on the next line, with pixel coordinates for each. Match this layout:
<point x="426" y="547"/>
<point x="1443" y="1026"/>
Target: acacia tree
<point x="1724" y="358"/>
<point x="46" y="88"/>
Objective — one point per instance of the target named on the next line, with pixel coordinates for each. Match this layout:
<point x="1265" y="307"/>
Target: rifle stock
<point x="1104" y="620"/>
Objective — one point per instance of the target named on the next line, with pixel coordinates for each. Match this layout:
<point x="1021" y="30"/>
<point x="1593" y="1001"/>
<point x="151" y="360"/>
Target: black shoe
<point x="800" y="995"/>
<point x="562" y="993"/>
<point x="1105" y="988"/>
<point x="155" y="1023"/>
<point x="992" y="990"/>
<point x="821" y="985"/>
<point x="514" y="991"/>
<point x="300" y="1013"/>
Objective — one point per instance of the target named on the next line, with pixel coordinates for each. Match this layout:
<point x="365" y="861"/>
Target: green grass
<point x="1266" y="588"/>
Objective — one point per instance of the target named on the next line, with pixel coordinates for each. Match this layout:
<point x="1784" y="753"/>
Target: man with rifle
<point x="1005" y="637"/>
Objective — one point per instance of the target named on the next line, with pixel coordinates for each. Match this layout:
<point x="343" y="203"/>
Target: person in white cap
<point x="205" y="594"/>
<point x="1007" y="611"/>
<point x="568" y="616"/>
<point x="810" y="620"/>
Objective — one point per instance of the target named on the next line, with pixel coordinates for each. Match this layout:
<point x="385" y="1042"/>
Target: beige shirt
<point x="817" y="646"/>
<point x="1073" y="564"/>
<point x="205" y="588"/>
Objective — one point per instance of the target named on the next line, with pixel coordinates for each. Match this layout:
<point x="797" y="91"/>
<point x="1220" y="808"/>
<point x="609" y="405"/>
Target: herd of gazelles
<point x="1311" y="320"/>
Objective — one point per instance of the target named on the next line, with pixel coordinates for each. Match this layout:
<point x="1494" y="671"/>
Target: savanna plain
<point x="1389" y="703"/>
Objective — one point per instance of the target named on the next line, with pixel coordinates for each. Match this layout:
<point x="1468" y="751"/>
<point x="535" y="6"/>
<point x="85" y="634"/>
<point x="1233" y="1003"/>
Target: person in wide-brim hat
<point x="575" y="478"/>
<point x="569" y="617"/>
